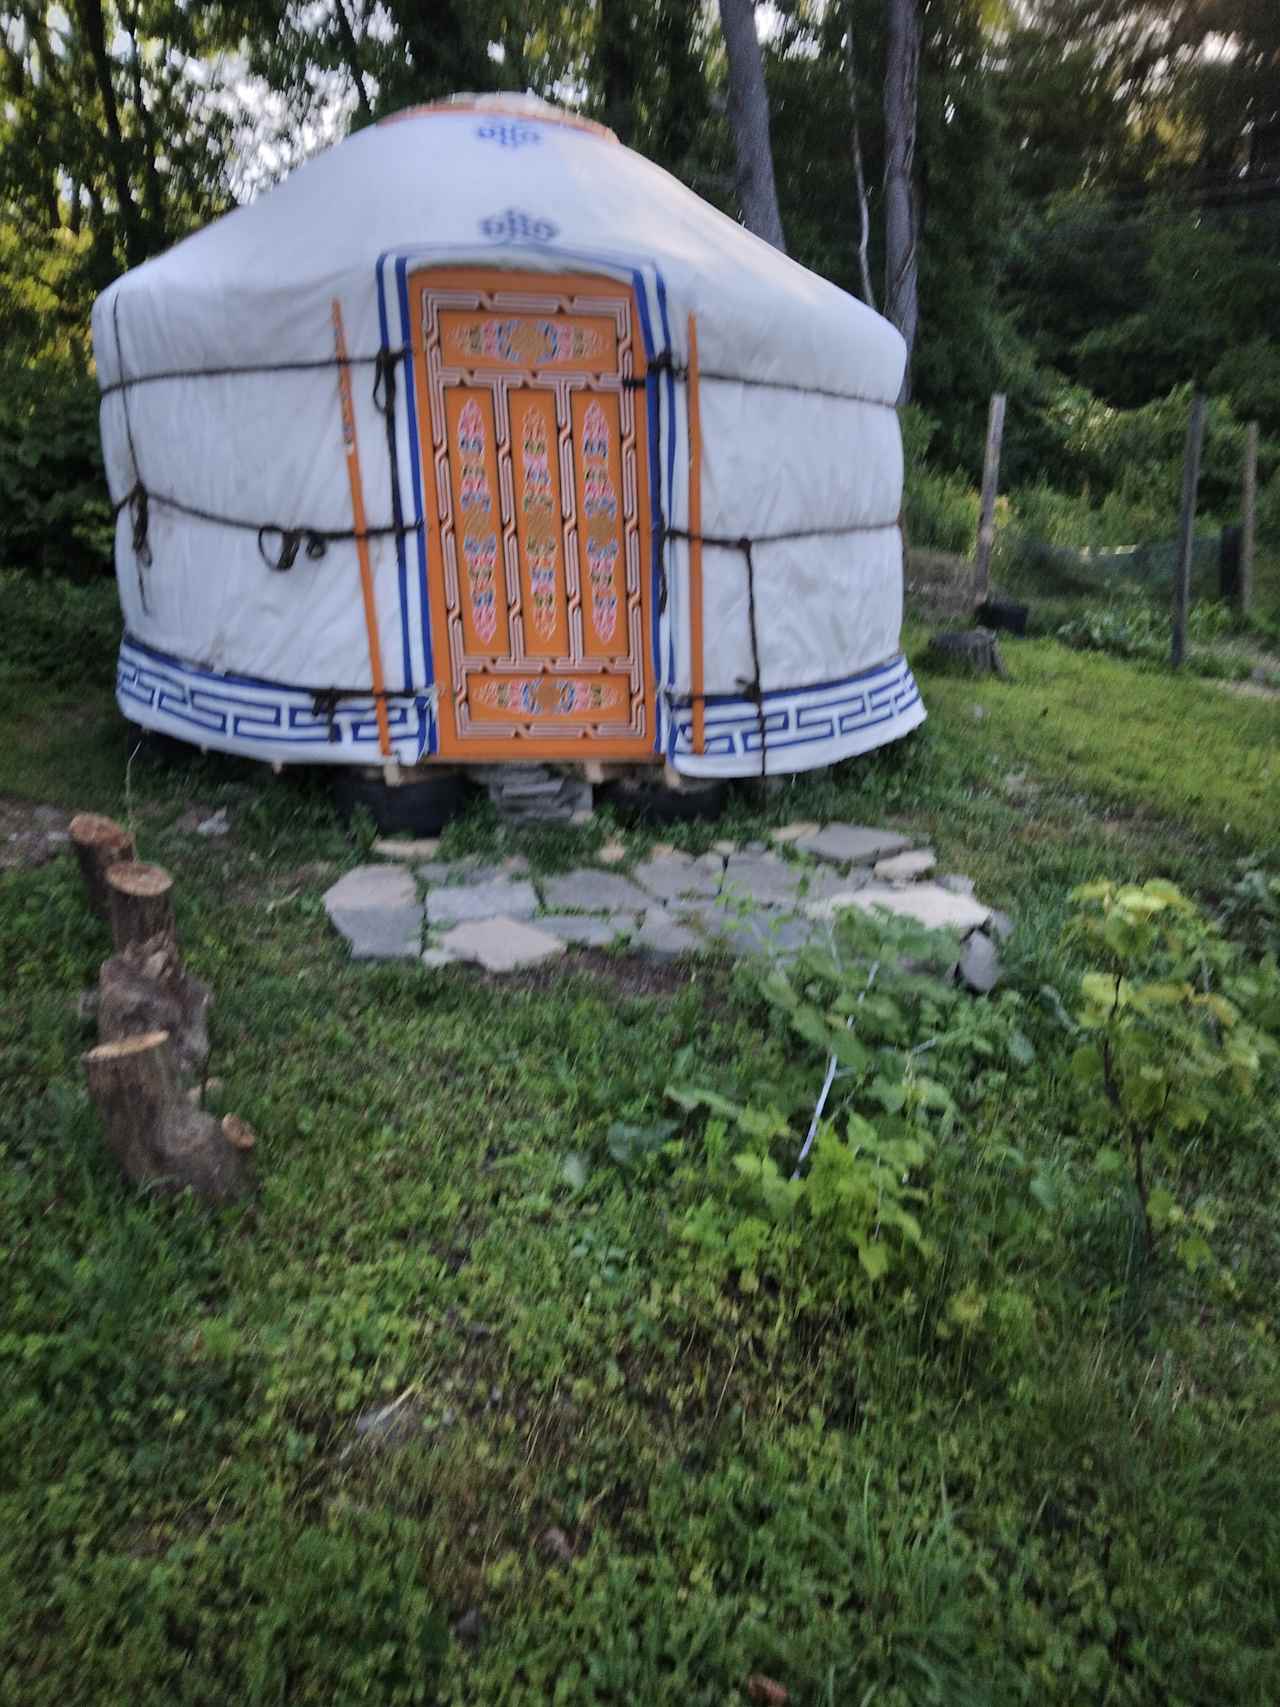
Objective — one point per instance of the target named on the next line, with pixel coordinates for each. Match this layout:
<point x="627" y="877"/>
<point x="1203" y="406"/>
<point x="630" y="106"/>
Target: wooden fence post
<point x="1187" y="528"/>
<point x="1249" y="519"/>
<point x="990" y="487"/>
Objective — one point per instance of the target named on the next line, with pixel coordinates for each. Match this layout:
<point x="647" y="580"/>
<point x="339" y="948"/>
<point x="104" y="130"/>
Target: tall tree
<point x="859" y="174"/>
<point x="618" y="68"/>
<point x="92" y="22"/>
<point x="749" y="120"/>
<point x="901" y="85"/>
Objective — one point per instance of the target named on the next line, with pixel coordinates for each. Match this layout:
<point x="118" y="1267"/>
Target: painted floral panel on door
<point x="535" y="444"/>
<point x="477" y="520"/>
<point x="602" y="566"/>
<point x="539" y="578"/>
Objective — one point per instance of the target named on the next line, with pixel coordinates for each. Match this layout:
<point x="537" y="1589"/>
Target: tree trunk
<point x="614" y="32"/>
<point x="153" y="186"/>
<point x="100" y="843"/>
<point x="902" y="71"/>
<point x="351" y="53"/>
<point x="91" y="20"/>
<point x="140" y="900"/>
<point x="151" y="1128"/>
<point x="147" y="988"/>
<point x="859" y="176"/>
<point x="749" y="120"/>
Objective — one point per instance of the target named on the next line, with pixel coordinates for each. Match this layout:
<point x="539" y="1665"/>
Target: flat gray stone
<point x="979" y="966"/>
<point x="793" y="833"/>
<point x="372" y="886"/>
<point x="510" y="897"/>
<point x="437" y="873"/>
<point x="926" y="903"/>
<point x="380" y="933"/>
<point x="678" y="877"/>
<point x="763" y="879"/>
<point x="852" y="844"/>
<point x="376" y="908"/>
<point x="821" y="883"/>
<point x="906" y="867"/>
<point x="501" y="944"/>
<point x="591" y="891"/>
<point x="587" y="930"/>
<point x="772" y="935"/>
<point x="662" y="936"/>
<point x="411" y="852"/>
<point x="1000" y="925"/>
<point x="957" y="884"/>
<point x="714" y="922"/>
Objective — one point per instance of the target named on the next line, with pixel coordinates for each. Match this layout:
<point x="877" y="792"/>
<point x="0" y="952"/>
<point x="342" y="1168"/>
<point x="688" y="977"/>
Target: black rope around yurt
<point x="140" y="499"/>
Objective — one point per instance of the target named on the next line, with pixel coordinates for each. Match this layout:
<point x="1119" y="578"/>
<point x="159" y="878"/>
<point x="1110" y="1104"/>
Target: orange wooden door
<point x="536" y="483"/>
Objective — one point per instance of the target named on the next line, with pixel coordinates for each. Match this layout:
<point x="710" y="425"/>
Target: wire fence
<point x="1119" y="599"/>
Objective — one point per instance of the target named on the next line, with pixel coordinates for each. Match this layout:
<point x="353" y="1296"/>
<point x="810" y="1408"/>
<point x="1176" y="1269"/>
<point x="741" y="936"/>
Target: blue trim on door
<point x="401" y="555"/>
<point x="475" y="255"/>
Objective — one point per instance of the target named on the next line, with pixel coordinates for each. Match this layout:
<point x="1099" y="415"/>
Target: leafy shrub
<point x="1179" y="1041"/>
<point x="55" y="516"/>
<point x="1135" y="628"/>
<point x="1251" y="910"/>
<point x="57" y="633"/>
<point x="891" y="1049"/>
<point x="940" y="509"/>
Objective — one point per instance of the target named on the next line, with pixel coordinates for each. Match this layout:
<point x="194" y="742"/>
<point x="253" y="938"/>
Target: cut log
<point x="140" y="899"/>
<point x="100" y="843"/>
<point x="146" y="988"/>
<point x="153" y="1131"/>
<point x="974" y="652"/>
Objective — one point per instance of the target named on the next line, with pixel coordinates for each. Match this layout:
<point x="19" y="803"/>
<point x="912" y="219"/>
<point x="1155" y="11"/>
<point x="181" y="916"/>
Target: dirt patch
<point x="30" y="835"/>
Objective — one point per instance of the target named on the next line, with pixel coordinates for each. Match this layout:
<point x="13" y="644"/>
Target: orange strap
<point x="362" y="540"/>
<point x="696" y="683"/>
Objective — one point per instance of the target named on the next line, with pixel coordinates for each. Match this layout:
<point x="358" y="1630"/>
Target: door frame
<point x="490" y="281"/>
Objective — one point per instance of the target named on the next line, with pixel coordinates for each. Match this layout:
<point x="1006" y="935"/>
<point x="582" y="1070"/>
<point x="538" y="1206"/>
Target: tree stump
<point x="155" y="1134"/>
<point x="100" y="843"/>
<point x="1002" y="613"/>
<point x="973" y="652"/>
<point x="140" y="902"/>
<point x="146" y="988"/>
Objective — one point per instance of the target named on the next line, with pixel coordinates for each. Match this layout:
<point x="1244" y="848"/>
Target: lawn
<point x="648" y="1447"/>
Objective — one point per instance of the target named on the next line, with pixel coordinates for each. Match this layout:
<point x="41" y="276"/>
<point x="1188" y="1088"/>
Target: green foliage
<point x="57" y="634"/>
<point x="940" y="510"/>
<point x="1007" y="1470"/>
<point x="1136" y="628"/>
<point x="1180" y="1043"/>
<point x="55" y="516"/>
<point x="1250" y="909"/>
<point x="868" y="1010"/>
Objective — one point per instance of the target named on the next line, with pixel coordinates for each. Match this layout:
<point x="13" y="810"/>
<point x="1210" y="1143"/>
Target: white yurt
<point x="482" y="440"/>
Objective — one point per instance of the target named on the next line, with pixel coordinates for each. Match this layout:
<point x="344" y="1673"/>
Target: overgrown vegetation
<point x="641" y="1416"/>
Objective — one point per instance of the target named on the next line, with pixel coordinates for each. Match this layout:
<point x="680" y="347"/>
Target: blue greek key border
<point x="803" y="727"/>
<point x="261" y="719"/>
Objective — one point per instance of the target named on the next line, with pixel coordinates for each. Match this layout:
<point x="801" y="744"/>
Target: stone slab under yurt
<point x="481" y="440"/>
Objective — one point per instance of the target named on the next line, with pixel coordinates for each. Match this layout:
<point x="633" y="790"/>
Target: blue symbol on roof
<point x="517" y="135"/>
<point x="514" y="226"/>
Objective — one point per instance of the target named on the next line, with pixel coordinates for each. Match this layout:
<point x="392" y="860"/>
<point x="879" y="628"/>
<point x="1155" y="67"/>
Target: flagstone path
<point x="748" y="900"/>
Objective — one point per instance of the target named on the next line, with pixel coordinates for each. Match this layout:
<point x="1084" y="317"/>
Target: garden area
<point x="530" y="1373"/>
<point x="813" y="1326"/>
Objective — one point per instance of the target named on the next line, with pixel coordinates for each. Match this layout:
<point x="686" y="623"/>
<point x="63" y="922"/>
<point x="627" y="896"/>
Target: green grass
<point x="1071" y="1501"/>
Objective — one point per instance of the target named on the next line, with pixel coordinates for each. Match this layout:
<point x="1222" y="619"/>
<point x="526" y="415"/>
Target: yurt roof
<point x="506" y="181"/>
